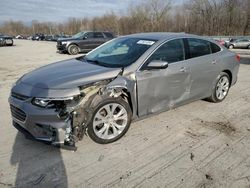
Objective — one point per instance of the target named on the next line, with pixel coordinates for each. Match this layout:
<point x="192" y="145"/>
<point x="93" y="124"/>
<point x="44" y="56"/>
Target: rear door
<point x="203" y="64"/>
<point x="244" y="43"/>
<point x="99" y="38"/>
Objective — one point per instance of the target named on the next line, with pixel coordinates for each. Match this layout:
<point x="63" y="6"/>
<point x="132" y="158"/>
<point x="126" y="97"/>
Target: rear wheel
<point x="221" y="88"/>
<point x="110" y="120"/>
<point x="73" y="49"/>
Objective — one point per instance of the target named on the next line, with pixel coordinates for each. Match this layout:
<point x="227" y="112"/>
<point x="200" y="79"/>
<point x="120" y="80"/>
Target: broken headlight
<point x="56" y="102"/>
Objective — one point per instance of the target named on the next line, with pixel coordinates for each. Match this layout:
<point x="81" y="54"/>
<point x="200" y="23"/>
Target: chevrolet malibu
<point x="122" y="80"/>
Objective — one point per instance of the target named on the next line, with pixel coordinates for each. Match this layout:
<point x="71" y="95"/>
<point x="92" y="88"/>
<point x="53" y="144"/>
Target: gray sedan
<point x="124" y="79"/>
<point x="239" y="43"/>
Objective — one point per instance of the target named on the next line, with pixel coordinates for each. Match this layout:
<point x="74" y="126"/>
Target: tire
<point x="231" y="47"/>
<point x="73" y="49"/>
<point x="103" y="129"/>
<point x="221" y="88"/>
<point x="10" y="44"/>
<point x="249" y="47"/>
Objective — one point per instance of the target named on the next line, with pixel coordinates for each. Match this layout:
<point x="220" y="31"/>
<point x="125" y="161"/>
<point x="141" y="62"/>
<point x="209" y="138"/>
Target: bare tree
<point x="203" y="17"/>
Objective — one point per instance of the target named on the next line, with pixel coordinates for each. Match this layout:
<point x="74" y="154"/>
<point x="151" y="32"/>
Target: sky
<point x="60" y="10"/>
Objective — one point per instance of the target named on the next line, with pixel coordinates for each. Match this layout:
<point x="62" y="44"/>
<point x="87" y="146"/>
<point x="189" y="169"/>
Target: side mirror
<point x="85" y="37"/>
<point x="157" y="64"/>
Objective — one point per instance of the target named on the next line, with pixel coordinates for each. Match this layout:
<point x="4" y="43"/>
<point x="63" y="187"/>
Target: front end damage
<point x="63" y="121"/>
<point x="78" y="116"/>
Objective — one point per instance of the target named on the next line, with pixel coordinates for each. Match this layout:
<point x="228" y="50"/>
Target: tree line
<point x="202" y="17"/>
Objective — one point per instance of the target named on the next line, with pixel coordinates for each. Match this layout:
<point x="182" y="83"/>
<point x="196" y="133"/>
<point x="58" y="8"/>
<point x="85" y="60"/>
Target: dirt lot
<point x="198" y="145"/>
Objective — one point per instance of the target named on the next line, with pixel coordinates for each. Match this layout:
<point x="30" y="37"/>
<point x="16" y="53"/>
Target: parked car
<point x="127" y="78"/>
<point x="83" y="42"/>
<point x="38" y="36"/>
<point x="221" y="42"/>
<point x="239" y="43"/>
<point x="19" y="37"/>
<point x="49" y="37"/>
<point x="6" y="40"/>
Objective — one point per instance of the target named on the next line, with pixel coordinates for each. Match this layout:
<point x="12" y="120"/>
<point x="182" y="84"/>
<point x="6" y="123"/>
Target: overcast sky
<point x="60" y="10"/>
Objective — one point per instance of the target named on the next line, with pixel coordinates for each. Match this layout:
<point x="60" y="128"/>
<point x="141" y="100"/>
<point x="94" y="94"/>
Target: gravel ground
<point x="197" y="145"/>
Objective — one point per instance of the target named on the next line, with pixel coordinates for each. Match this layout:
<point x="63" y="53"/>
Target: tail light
<point x="238" y="57"/>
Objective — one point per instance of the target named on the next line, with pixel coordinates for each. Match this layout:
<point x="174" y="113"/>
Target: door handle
<point x="183" y="69"/>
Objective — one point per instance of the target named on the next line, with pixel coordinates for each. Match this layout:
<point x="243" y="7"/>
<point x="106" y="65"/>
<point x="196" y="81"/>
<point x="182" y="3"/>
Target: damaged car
<point x="122" y="80"/>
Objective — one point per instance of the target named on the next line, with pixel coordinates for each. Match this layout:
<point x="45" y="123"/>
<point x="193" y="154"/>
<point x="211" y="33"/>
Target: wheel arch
<point x="229" y="74"/>
<point x="73" y="43"/>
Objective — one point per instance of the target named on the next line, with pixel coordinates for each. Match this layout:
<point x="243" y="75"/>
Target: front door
<point x="162" y="89"/>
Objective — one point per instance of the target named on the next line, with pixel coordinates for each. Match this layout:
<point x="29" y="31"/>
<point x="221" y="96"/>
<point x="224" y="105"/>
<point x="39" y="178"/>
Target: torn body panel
<point x="80" y="114"/>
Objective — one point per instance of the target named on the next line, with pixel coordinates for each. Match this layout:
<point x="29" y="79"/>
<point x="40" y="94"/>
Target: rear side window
<point x="89" y="35"/>
<point x="243" y="40"/>
<point x="215" y="48"/>
<point x="108" y="35"/>
<point x="98" y="35"/>
<point x="198" y="47"/>
<point x="172" y="51"/>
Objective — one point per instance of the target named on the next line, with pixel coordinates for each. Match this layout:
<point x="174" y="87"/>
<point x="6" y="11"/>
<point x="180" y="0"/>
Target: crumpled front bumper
<point x="61" y="47"/>
<point x="37" y="123"/>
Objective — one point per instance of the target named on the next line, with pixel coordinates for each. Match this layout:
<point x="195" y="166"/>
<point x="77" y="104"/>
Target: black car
<point x="38" y="36"/>
<point x="83" y="42"/>
<point x="6" y="40"/>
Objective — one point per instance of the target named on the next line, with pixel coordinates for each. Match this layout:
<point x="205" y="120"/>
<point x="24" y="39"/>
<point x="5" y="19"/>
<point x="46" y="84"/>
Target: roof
<point x="160" y="35"/>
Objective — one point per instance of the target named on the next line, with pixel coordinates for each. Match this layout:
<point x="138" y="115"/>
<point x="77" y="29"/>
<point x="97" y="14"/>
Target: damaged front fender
<point x="92" y="94"/>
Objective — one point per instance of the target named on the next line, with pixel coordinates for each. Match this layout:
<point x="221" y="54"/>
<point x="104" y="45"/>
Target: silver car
<point x="124" y="79"/>
<point x="239" y="43"/>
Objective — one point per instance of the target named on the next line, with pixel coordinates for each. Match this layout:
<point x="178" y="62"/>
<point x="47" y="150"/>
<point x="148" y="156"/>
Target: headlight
<point x="64" y="42"/>
<point x="41" y="102"/>
<point x="53" y="102"/>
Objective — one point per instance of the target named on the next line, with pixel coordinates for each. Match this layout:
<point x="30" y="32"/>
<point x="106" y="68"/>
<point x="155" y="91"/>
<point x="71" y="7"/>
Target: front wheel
<point x="221" y="88"/>
<point x="110" y="120"/>
<point x="73" y="49"/>
<point x="231" y="47"/>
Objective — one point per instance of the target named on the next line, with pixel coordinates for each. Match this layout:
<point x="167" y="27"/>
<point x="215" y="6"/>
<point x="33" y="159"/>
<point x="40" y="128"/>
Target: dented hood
<point x="68" y="74"/>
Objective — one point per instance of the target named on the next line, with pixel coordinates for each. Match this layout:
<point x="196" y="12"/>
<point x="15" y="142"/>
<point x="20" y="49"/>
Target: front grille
<point x="19" y="96"/>
<point x="17" y="113"/>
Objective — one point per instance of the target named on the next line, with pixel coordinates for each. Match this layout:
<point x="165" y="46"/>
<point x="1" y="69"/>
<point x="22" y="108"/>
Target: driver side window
<point x="171" y="52"/>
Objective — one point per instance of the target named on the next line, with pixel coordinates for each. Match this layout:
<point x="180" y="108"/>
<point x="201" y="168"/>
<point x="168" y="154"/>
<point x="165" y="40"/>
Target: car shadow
<point x="38" y="164"/>
<point x="245" y="60"/>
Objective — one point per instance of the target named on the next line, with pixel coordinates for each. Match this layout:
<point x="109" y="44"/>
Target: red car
<point x="221" y="42"/>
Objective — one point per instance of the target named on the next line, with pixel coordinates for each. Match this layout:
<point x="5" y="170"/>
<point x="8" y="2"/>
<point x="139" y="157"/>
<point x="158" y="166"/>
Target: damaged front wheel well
<point x="127" y="97"/>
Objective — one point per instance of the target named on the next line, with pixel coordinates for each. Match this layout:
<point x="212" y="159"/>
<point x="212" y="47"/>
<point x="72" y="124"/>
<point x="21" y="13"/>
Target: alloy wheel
<point x="110" y="121"/>
<point x="222" y="87"/>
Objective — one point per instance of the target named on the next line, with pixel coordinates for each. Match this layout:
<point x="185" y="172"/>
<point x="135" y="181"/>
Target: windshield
<point x="119" y="52"/>
<point x="78" y="35"/>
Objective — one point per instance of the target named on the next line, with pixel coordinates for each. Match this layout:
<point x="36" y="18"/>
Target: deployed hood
<point x="68" y="74"/>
